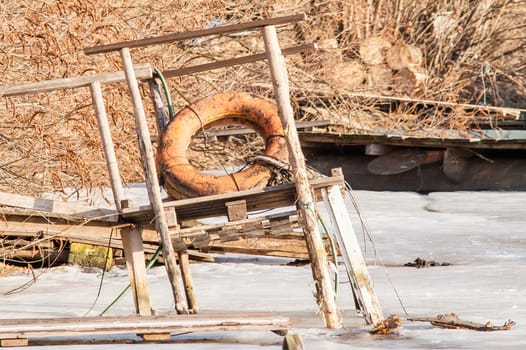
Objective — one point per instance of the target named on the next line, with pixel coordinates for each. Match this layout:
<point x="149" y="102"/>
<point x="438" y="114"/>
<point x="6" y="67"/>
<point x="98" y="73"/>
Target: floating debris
<point x="421" y="263"/>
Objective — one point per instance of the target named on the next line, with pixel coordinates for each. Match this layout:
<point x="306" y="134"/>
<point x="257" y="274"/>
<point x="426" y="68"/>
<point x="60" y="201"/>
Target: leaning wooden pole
<point x="109" y="150"/>
<point x="152" y="183"/>
<point x="325" y="295"/>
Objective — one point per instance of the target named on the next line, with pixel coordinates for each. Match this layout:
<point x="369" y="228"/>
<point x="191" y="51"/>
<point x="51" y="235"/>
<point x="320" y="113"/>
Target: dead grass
<point x="473" y="51"/>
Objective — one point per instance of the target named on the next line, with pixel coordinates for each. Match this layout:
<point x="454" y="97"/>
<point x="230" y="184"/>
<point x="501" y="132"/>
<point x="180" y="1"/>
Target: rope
<point x="160" y="75"/>
<point x="365" y="229"/>
<point x="103" y="274"/>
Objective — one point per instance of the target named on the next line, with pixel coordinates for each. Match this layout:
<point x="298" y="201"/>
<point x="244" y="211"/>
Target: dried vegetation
<point x="452" y="50"/>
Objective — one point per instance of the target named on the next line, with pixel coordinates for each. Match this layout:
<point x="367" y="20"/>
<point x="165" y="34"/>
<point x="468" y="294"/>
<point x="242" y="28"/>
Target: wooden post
<point x="134" y="254"/>
<point x="353" y="258"/>
<point x="152" y="183"/>
<point x="184" y="263"/>
<point x="325" y="295"/>
<point x="107" y="143"/>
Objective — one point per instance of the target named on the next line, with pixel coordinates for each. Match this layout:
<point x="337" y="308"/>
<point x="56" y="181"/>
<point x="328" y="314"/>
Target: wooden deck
<point x="17" y="332"/>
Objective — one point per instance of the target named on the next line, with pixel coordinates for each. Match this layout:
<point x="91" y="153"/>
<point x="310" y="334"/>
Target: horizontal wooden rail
<point x="227" y="29"/>
<point x="214" y="205"/>
<point x="234" y="61"/>
<point x="142" y="71"/>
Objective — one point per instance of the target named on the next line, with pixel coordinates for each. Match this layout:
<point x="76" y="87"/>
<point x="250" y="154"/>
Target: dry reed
<point x="472" y="51"/>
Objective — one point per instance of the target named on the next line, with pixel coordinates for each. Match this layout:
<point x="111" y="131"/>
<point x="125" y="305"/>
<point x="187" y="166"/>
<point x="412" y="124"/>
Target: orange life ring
<point x="182" y="180"/>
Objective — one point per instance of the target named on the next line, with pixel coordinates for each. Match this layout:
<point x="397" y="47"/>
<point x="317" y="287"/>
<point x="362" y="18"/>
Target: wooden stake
<point x="152" y="183"/>
<point x="184" y="264"/>
<point x="353" y="258"/>
<point x="107" y="142"/>
<point x="325" y="295"/>
<point x="134" y="254"/>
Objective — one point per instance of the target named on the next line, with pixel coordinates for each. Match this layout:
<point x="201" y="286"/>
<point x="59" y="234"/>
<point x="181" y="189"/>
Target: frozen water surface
<point x="480" y="234"/>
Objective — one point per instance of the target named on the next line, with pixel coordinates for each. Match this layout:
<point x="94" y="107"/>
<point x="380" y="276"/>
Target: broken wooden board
<point x="452" y="321"/>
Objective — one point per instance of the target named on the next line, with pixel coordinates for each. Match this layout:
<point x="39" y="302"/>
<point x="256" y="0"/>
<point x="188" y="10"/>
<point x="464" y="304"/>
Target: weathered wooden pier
<point x="160" y="220"/>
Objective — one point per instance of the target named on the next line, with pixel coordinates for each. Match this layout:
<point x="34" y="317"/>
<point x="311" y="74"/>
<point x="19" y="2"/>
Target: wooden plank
<point x="50" y="327"/>
<point x="245" y="131"/>
<point x="219" y="30"/>
<point x="353" y="258"/>
<point x="107" y="143"/>
<point x="317" y="139"/>
<point x="325" y="295"/>
<point x="57" y="207"/>
<point x="257" y="199"/>
<point x="135" y="261"/>
<point x="142" y="71"/>
<point x="152" y="182"/>
<point x="233" y="61"/>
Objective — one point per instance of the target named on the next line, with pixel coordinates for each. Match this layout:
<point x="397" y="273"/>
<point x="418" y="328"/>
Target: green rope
<point x="160" y="75"/>
<point x="127" y="289"/>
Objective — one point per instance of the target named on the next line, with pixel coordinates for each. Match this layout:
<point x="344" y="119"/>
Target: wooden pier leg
<point x="134" y="254"/>
<point x="325" y="295"/>
<point x="152" y="183"/>
<point x="107" y="142"/>
<point x="184" y="263"/>
<point x="353" y="258"/>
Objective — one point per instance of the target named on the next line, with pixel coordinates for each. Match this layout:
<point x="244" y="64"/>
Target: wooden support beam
<point x="152" y="183"/>
<point x="325" y="295"/>
<point x="219" y="30"/>
<point x="353" y="258"/>
<point x="107" y="143"/>
<point x="184" y="261"/>
<point x="134" y="254"/>
<point x="142" y="72"/>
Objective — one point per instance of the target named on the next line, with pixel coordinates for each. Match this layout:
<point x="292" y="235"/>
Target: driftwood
<point x="452" y="321"/>
<point x="389" y="325"/>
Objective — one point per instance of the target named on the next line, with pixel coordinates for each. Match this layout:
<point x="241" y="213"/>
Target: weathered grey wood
<point x="152" y="183"/>
<point x="353" y="258"/>
<point x="50" y="327"/>
<point x="188" y="282"/>
<point x="245" y="131"/>
<point x="57" y="207"/>
<point x="214" y="205"/>
<point x="135" y="261"/>
<point x="325" y="295"/>
<point x="107" y="144"/>
<point x="233" y="61"/>
<point x="142" y="72"/>
<point x="452" y="139"/>
<point x="219" y="30"/>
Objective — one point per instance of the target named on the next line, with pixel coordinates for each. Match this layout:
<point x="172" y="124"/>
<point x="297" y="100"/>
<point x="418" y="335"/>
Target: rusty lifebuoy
<point x="182" y="180"/>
